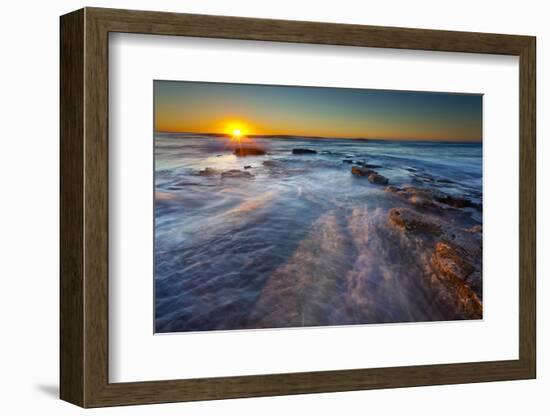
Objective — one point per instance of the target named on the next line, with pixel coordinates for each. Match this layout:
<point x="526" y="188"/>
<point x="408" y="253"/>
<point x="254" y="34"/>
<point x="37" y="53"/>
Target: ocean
<point x="297" y="240"/>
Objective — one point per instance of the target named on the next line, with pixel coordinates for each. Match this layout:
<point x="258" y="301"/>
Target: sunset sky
<point x="197" y="107"/>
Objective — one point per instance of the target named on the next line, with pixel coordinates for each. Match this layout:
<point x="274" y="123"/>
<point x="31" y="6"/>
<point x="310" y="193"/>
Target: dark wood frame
<point x="84" y="207"/>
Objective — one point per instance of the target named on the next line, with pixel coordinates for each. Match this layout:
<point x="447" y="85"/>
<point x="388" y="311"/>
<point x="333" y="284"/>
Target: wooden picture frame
<point x="84" y="207"/>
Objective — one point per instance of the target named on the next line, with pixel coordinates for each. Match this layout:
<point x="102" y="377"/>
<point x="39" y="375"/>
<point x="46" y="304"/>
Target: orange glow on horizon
<point x="235" y="128"/>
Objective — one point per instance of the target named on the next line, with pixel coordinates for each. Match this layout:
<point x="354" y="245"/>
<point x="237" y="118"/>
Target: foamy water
<point x="302" y="241"/>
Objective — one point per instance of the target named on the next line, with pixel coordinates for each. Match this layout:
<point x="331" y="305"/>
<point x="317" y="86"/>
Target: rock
<point x="236" y="173"/>
<point x="360" y="171"/>
<point x="370" y="166"/>
<point x="450" y="260"/>
<point x="452" y="257"/>
<point x="377" y="179"/>
<point x="208" y="172"/>
<point x="431" y="198"/>
<point x="300" y="151"/>
<point x="422" y="202"/>
<point x="347" y="161"/>
<point x="248" y="167"/>
<point x="454" y="201"/>
<point x="248" y="151"/>
<point x="456" y="270"/>
<point x="475" y="229"/>
<point x="409" y="220"/>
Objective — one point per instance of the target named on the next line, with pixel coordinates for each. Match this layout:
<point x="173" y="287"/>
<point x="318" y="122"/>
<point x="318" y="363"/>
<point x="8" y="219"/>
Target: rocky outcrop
<point x="377" y="179"/>
<point x="409" y="220"/>
<point x="454" y="201"/>
<point x="249" y="151"/>
<point x="300" y="151"/>
<point x="372" y="175"/>
<point x="456" y="270"/>
<point x="431" y="198"/>
<point x="455" y="259"/>
<point x="361" y="171"/>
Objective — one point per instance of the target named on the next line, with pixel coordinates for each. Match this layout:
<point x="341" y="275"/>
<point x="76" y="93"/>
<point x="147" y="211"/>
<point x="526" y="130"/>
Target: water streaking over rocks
<point x="294" y="232"/>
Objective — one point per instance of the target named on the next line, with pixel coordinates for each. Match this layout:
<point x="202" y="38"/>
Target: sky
<point x="199" y="107"/>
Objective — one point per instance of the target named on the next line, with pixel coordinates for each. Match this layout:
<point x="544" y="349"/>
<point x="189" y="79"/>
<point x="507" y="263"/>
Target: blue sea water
<point x="301" y="241"/>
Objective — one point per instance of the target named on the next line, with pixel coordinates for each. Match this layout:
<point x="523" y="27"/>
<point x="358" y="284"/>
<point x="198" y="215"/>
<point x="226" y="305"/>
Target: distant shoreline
<point x="288" y="136"/>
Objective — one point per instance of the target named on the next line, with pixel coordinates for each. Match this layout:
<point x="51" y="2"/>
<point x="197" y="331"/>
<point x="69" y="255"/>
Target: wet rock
<point x="456" y="270"/>
<point x="431" y="198"/>
<point x="406" y="219"/>
<point x="248" y="167"/>
<point x="236" y="173"/>
<point x="420" y="197"/>
<point x="208" y="172"/>
<point x="249" y="151"/>
<point x="450" y="260"/>
<point x="361" y="171"/>
<point x="423" y="202"/>
<point x="453" y="259"/>
<point x="300" y="151"/>
<point x="475" y="229"/>
<point x="377" y="179"/>
<point x="347" y="161"/>
<point x="454" y="201"/>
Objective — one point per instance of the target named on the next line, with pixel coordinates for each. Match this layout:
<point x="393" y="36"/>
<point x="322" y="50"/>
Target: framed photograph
<point x="255" y="207"/>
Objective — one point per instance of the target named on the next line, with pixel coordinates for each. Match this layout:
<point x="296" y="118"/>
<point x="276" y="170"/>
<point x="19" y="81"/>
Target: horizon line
<point x="326" y="137"/>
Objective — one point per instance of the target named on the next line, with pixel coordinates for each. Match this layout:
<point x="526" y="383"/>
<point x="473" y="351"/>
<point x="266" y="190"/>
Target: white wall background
<point x="29" y="85"/>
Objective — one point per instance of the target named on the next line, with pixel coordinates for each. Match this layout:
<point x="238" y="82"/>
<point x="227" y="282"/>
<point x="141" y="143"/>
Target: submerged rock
<point x="348" y="161"/>
<point x="377" y="179"/>
<point x="236" y="173"/>
<point x="208" y="172"/>
<point x="372" y="175"/>
<point x="249" y="151"/>
<point x="300" y="151"/>
<point x="454" y="201"/>
<point x="361" y="171"/>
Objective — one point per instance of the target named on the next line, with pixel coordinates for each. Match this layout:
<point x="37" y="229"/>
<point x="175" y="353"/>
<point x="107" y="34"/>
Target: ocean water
<point x="300" y="241"/>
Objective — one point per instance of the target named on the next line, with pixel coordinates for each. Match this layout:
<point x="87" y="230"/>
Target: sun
<point x="237" y="133"/>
